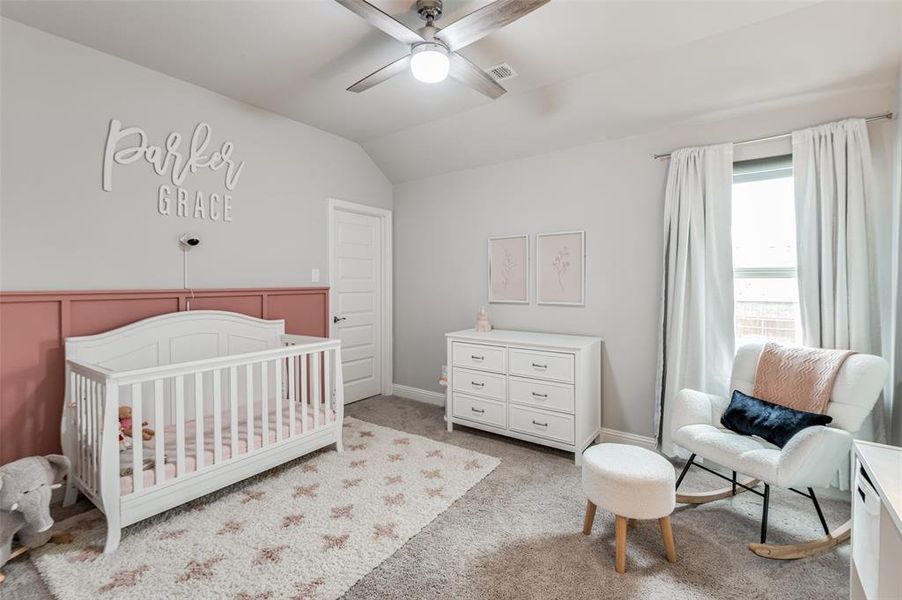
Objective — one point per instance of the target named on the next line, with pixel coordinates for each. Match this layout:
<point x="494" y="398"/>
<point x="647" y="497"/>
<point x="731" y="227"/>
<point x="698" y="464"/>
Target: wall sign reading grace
<point x="178" y="163"/>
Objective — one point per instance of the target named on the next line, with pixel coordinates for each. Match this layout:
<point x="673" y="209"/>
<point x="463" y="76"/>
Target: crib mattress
<point x="126" y="482"/>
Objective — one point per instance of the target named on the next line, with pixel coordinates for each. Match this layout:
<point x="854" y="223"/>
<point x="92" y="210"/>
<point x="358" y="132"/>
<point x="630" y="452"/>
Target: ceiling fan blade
<point x="386" y="72"/>
<point x="467" y="73"/>
<point x="484" y="21"/>
<point x="381" y="20"/>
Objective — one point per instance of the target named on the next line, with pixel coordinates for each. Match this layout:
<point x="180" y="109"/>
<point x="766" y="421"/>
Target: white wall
<point x="896" y="325"/>
<point x="612" y="190"/>
<point x="61" y="231"/>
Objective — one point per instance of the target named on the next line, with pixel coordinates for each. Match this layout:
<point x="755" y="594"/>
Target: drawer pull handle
<point x="534" y="422"/>
<point x="478" y="384"/>
<point x="477" y="410"/>
<point x="538" y="395"/>
<point x="474" y="357"/>
<point x="538" y="366"/>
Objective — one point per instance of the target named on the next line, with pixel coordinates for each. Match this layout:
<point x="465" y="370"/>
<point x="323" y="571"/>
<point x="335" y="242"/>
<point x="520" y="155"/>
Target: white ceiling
<point x="588" y="70"/>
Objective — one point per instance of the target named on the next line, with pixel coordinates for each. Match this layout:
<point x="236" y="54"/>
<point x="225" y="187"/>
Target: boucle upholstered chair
<point x="809" y="460"/>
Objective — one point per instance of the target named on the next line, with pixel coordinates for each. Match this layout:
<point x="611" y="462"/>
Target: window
<point x="764" y="251"/>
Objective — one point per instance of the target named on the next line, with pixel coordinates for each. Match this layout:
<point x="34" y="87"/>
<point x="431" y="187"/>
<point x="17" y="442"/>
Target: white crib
<point x="228" y="396"/>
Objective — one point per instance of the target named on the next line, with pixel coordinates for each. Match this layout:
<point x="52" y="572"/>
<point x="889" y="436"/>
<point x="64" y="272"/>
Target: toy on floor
<point x="25" y="489"/>
<point x="125" y="428"/>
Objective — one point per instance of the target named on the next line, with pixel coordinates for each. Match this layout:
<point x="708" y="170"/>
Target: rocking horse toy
<point x="809" y="459"/>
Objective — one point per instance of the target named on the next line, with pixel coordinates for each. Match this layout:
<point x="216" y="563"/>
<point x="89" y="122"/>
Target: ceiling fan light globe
<point x="429" y="62"/>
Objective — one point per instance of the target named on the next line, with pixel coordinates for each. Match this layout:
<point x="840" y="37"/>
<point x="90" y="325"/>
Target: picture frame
<point x="561" y="268"/>
<point x="508" y="269"/>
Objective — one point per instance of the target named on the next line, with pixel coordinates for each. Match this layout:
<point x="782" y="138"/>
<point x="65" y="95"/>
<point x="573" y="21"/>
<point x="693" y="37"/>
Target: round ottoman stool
<point x="632" y="483"/>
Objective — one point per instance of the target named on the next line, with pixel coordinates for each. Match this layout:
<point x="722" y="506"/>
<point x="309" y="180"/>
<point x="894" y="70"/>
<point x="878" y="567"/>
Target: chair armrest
<point x="692" y="407"/>
<point x="812" y="456"/>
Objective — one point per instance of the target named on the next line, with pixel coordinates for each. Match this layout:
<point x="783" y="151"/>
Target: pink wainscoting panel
<point x="34" y="325"/>
<point x="31" y="362"/>
<point x="314" y="319"/>
<point x="246" y="305"/>
<point x="90" y="316"/>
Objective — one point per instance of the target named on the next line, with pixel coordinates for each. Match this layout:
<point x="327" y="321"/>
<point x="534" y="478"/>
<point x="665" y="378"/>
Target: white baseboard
<point x="412" y="393"/>
<point x="622" y="437"/>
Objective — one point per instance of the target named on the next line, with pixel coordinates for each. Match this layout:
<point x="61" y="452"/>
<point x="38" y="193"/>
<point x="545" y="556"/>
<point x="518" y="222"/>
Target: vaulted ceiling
<point x="588" y="70"/>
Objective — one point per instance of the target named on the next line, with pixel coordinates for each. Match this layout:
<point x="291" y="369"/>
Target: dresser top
<point x="526" y="338"/>
<point x="884" y="466"/>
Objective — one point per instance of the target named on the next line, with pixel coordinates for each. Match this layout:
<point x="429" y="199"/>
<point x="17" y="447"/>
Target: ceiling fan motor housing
<point x="429" y="10"/>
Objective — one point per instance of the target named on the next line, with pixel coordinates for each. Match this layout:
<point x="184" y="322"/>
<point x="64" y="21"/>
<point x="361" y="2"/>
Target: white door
<point x="357" y="300"/>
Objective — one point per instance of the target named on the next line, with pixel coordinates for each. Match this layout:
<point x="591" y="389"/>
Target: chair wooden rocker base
<point x="809" y="459"/>
<point x="775" y="551"/>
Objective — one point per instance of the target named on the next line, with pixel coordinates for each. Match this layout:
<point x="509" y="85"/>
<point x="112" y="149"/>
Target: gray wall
<point x="61" y="231"/>
<point x="612" y="190"/>
<point x="896" y="332"/>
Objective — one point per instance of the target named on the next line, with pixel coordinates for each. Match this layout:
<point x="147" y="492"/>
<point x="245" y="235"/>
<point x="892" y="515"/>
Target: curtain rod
<point x="769" y="138"/>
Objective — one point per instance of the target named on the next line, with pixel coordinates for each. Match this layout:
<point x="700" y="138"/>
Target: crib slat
<point x="179" y="425"/>
<point x="315" y="399"/>
<point x="304" y="364"/>
<point x="92" y="393"/>
<point x="198" y="421"/>
<point x="327" y="386"/>
<point x="278" y="395"/>
<point x="92" y="429"/>
<point x="159" y="440"/>
<point x="79" y="426"/>
<point x="89" y="395"/>
<point x="137" y="441"/>
<point x="76" y="396"/>
<point x="233" y="409"/>
<point x="98" y="434"/>
<point x="292" y="395"/>
<point x="249" y="402"/>
<point x="217" y="416"/>
<point x="89" y="464"/>
<point x="264" y="404"/>
<point x="85" y="402"/>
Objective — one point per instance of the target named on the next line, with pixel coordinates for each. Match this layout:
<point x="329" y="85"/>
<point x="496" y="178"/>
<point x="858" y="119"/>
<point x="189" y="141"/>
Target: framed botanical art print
<point x="561" y="268"/>
<point x="509" y="269"/>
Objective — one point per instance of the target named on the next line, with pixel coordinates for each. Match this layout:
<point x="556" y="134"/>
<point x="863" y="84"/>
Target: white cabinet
<point x="876" y="522"/>
<point x="539" y="387"/>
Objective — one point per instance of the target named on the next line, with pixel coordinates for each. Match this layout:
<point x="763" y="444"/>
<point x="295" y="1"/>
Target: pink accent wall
<point x="33" y="326"/>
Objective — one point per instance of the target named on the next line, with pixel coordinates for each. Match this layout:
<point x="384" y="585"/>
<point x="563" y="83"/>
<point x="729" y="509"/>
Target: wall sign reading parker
<point x="125" y="145"/>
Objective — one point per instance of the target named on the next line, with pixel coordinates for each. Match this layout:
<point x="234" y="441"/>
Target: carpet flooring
<point x="517" y="534"/>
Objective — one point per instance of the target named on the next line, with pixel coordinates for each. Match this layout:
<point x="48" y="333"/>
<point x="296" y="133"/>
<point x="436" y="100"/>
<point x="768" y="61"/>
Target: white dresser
<point x="876" y="522"/>
<point x="539" y="387"/>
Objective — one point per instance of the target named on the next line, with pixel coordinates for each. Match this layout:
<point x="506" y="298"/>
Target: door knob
<point x="338" y="319"/>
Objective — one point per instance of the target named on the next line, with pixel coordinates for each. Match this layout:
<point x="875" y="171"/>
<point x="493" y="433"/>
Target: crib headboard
<point x="174" y="338"/>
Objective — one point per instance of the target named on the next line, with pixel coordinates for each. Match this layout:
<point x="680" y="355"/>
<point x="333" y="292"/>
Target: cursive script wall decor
<point x="176" y="162"/>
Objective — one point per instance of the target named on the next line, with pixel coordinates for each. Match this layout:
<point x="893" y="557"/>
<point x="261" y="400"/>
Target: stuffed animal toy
<point x="25" y="488"/>
<point x="125" y="428"/>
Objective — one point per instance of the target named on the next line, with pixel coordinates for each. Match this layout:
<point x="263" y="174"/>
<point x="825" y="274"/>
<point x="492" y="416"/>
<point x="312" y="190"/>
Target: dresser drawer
<point x="551" y="396"/>
<point x="477" y="356"/>
<point x="554" y="366"/>
<point x="481" y="410"/>
<point x="479" y="383"/>
<point x="555" y="426"/>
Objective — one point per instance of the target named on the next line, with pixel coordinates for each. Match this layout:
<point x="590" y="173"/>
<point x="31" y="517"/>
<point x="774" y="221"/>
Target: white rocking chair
<point x="809" y="460"/>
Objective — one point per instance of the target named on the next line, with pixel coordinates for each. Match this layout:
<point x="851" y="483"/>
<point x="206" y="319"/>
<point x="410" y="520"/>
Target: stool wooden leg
<point x="667" y="533"/>
<point x="590" y="518"/>
<point x="620" y="529"/>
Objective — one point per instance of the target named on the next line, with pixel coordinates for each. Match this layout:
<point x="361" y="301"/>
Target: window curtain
<point x="836" y="247"/>
<point x="696" y="342"/>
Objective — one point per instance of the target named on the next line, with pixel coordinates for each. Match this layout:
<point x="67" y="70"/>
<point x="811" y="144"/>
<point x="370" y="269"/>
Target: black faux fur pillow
<point x="776" y="424"/>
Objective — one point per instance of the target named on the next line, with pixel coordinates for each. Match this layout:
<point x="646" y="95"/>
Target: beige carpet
<point x="311" y="531"/>
<point x="516" y="534"/>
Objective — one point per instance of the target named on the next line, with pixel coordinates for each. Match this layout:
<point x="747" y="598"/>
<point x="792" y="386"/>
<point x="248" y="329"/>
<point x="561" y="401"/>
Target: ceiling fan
<point x="433" y="51"/>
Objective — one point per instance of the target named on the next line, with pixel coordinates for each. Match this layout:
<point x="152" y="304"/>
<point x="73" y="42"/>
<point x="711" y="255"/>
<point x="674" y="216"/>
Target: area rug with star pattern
<point x="308" y="531"/>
